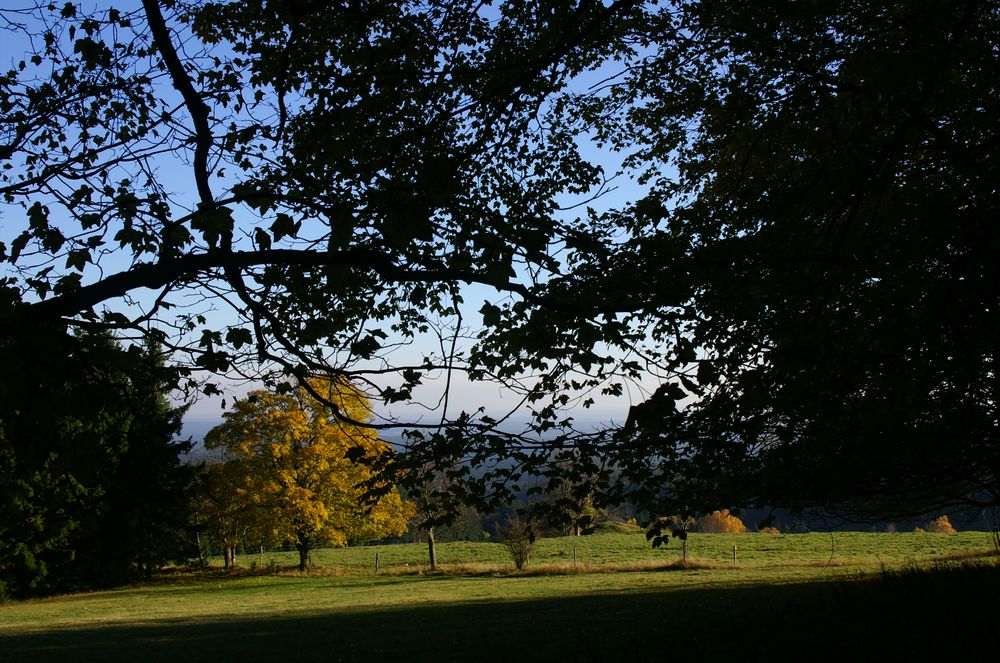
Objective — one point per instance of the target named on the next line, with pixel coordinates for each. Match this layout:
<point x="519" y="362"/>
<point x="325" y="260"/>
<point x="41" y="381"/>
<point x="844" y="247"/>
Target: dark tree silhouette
<point x="804" y="291"/>
<point x="811" y="270"/>
<point x="280" y="190"/>
<point x="93" y="491"/>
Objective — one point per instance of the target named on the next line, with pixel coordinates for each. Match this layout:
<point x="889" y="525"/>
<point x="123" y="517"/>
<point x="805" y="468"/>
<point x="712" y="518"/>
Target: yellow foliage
<point x="721" y="522"/>
<point x="299" y="469"/>
<point x="770" y="530"/>
<point x="941" y="525"/>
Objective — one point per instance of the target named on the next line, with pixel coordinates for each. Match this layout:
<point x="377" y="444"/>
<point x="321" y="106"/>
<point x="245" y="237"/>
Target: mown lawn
<point x="785" y="596"/>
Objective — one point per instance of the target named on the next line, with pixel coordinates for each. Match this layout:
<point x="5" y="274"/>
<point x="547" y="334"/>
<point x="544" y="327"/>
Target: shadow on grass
<point x="242" y="580"/>
<point x="948" y="614"/>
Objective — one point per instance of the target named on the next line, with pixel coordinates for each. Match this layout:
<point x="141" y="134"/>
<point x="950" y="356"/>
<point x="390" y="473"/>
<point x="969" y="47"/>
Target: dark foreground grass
<point x="944" y="614"/>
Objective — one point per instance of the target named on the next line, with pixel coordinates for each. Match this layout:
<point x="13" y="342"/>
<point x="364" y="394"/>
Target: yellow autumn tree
<point x="941" y="525"/>
<point x="721" y="522"/>
<point x="300" y="469"/>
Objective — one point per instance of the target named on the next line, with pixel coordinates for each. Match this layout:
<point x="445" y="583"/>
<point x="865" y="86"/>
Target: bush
<point x="941" y="525"/>
<point x="519" y="539"/>
<point x="721" y="522"/>
<point x="770" y="530"/>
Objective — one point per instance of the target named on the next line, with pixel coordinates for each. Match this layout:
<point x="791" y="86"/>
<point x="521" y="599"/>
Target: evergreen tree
<point x="91" y="488"/>
<point x="144" y="519"/>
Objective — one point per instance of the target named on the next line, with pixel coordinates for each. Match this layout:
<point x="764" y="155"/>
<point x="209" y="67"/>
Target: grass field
<point x="786" y="592"/>
<point x="859" y="549"/>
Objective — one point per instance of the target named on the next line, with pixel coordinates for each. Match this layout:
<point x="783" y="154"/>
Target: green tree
<point x="48" y="468"/>
<point x="563" y="504"/>
<point x="222" y="508"/>
<point x="437" y="501"/>
<point x="297" y="473"/>
<point x="145" y="520"/>
<point x="92" y="490"/>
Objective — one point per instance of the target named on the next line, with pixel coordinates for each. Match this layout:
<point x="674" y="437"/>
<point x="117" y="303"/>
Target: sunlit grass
<point x="608" y="550"/>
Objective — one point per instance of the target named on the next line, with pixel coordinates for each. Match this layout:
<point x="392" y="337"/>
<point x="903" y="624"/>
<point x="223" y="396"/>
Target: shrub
<point x="519" y="539"/>
<point x="770" y="530"/>
<point x="941" y="525"/>
<point x="721" y="522"/>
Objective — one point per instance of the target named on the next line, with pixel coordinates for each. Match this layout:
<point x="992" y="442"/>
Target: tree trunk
<point x="430" y="548"/>
<point x="201" y="552"/>
<point x="229" y="556"/>
<point x="305" y="554"/>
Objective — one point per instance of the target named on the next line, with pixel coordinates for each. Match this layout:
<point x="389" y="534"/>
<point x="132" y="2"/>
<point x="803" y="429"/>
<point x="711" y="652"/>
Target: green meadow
<point x="859" y="549"/>
<point x="911" y="594"/>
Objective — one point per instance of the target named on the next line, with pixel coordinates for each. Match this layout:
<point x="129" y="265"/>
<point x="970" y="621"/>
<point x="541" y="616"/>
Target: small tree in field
<point x="436" y="502"/>
<point x="721" y="522"/>
<point x="518" y="538"/>
<point x="941" y="525"/>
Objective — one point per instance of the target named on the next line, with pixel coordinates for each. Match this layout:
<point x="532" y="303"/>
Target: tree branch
<point x="195" y="104"/>
<point x="158" y="275"/>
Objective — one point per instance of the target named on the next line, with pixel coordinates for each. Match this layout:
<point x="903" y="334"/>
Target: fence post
<point x="574" y="555"/>
<point x="376" y="561"/>
<point x="734" y="557"/>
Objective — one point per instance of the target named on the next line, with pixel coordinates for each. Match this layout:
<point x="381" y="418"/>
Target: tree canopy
<point x="799" y="281"/>
<point x="811" y="259"/>
<point x="296" y="473"/>
<point x="348" y="167"/>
